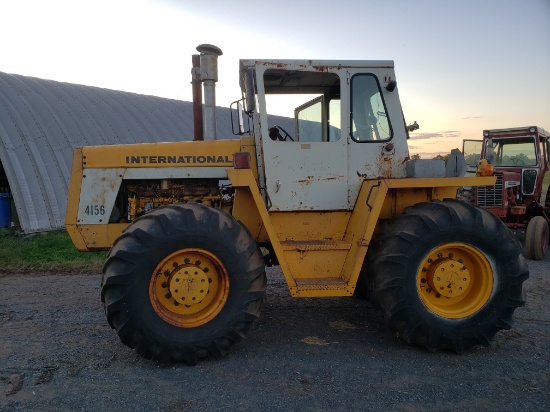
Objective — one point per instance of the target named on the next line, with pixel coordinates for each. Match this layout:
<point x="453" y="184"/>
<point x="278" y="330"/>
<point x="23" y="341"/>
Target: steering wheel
<point x="517" y="161"/>
<point x="275" y="134"/>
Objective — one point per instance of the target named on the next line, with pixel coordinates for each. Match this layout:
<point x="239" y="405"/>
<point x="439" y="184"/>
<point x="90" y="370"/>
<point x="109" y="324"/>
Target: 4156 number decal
<point x="95" y="210"/>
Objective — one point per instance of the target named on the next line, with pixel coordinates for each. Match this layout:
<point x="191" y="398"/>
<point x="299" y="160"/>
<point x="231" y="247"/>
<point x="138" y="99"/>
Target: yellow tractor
<point x="336" y="203"/>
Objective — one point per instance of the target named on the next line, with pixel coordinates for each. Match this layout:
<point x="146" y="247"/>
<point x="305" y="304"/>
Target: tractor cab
<point x="345" y="123"/>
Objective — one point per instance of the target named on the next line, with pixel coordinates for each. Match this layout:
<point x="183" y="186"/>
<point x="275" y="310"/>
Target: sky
<point x="461" y="66"/>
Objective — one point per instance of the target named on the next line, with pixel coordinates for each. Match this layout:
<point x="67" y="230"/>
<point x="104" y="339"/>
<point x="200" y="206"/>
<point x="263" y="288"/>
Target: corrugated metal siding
<point x="42" y="121"/>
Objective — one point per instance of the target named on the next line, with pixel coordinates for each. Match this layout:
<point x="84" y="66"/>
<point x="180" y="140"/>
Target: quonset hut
<point x="42" y="121"/>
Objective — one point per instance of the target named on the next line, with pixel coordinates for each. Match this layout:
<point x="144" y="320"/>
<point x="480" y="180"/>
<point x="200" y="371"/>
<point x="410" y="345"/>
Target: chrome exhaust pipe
<point x="209" y="76"/>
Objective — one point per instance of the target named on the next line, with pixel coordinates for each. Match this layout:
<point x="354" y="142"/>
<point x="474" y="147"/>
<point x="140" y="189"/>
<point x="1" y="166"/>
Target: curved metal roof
<point x="42" y="121"/>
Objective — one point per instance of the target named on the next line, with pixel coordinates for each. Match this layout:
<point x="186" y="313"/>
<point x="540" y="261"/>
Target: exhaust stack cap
<point x="209" y="49"/>
<point x="209" y="61"/>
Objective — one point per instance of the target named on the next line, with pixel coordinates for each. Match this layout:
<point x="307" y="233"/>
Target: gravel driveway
<point x="58" y="353"/>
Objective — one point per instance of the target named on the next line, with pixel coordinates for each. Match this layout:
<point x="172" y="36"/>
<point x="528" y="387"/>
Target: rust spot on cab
<point x="306" y="182"/>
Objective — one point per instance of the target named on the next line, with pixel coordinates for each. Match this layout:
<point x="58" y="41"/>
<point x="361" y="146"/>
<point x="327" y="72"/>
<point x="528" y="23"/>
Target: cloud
<point x="472" y="117"/>
<point x="453" y="134"/>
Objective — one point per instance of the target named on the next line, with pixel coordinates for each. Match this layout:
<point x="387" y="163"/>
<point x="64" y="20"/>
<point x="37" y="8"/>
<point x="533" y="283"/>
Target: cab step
<point x="316" y="266"/>
<point x="321" y="283"/>
<point x="328" y="286"/>
<point x="305" y="245"/>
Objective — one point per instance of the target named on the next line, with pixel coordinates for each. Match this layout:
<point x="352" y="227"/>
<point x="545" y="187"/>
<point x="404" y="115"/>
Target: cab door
<point x="306" y="170"/>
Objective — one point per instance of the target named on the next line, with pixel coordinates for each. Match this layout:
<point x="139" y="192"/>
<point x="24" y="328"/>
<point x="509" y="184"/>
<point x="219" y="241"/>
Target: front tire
<point x="446" y="275"/>
<point x="183" y="282"/>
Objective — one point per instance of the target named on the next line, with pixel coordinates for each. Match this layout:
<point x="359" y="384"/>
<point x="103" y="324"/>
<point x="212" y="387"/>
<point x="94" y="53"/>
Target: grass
<point x="45" y="252"/>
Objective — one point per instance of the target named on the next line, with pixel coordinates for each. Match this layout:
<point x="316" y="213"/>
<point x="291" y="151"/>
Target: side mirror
<point x="250" y="92"/>
<point x="237" y="118"/>
<point x="413" y="126"/>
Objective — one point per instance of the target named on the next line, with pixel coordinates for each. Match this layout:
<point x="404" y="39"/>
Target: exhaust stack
<point x="197" y="98"/>
<point x="209" y="76"/>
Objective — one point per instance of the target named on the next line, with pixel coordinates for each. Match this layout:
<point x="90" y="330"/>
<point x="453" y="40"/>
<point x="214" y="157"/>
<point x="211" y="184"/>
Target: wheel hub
<point x="449" y="278"/>
<point x="455" y="280"/>
<point x="188" y="285"/>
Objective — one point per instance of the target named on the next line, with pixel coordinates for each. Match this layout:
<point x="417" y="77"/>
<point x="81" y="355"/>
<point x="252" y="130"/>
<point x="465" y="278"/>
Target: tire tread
<point x="387" y="274"/>
<point x="152" y="229"/>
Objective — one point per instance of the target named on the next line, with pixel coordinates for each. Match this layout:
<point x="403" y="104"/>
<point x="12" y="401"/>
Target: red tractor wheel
<point x="536" y="238"/>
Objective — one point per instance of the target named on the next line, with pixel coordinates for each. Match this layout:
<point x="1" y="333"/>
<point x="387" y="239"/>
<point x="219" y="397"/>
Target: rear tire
<point x="547" y="202"/>
<point x="183" y="282"/>
<point x="446" y="275"/>
<point x="536" y="238"/>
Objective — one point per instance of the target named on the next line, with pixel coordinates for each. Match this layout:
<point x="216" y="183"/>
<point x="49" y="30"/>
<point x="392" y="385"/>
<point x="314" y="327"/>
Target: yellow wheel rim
<point x="189" y="288"/>
<point x="455" y="280"/>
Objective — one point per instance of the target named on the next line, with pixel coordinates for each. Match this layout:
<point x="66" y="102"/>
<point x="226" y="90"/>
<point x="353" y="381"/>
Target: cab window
<point x="313" y="96"/>
<point x="514" y="152"/>
<point x="369" y="119"/>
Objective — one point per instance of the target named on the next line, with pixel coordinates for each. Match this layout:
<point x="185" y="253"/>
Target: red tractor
<point x="519" y="158"/>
